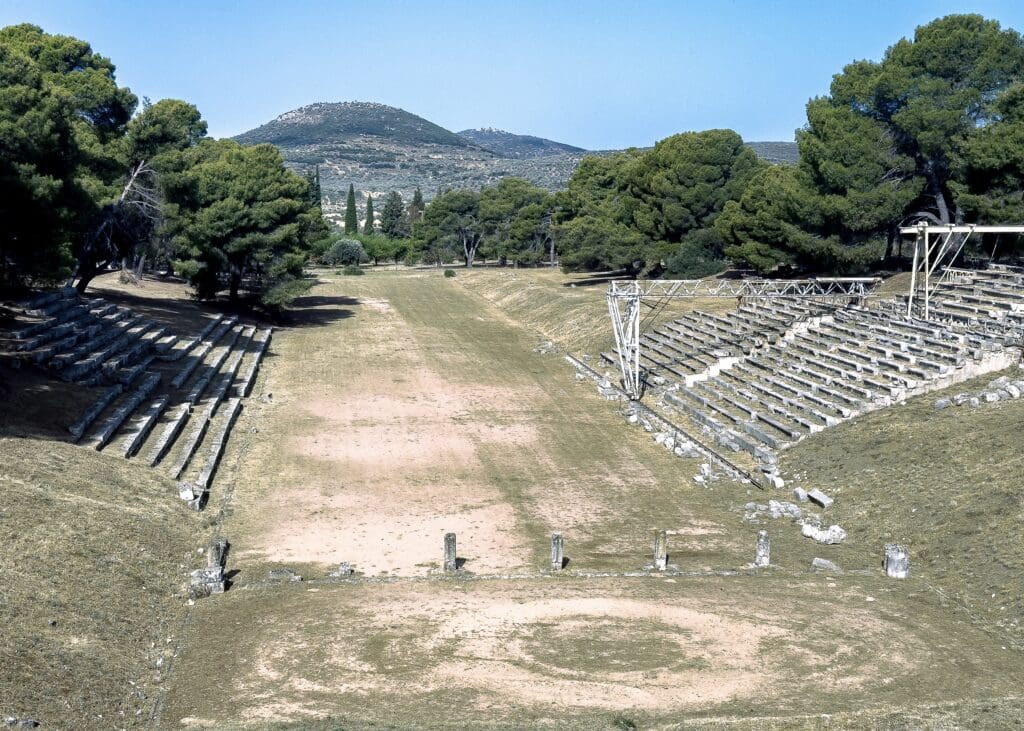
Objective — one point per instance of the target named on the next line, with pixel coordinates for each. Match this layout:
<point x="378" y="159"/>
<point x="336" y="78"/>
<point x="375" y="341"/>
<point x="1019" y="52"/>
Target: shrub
<point x="449" y="273"/>
<point x="352" y="270"/>
<point x="345" y="252"/>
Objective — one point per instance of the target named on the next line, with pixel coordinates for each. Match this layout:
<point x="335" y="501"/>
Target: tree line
<point x="934" y="131"/>
<point x="89" y="180"/>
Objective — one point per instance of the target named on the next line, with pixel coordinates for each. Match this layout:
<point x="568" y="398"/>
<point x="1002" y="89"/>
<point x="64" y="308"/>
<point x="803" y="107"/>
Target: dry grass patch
<point x="94" y="550"/>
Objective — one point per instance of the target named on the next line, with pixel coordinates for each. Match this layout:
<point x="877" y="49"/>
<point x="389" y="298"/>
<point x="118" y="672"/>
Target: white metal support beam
<point x="938" y="245"/>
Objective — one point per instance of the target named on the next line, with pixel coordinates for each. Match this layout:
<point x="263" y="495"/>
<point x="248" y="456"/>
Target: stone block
<point x="942" y="403"/>
<point x="820" y="498"/>
<point x="800" y="494"/>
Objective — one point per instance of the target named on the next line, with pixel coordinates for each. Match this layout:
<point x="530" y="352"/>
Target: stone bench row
<point x="222" y="326"/>
<point x="123" y="410"/>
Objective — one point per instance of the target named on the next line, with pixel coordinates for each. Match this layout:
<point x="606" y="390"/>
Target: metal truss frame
<point x="626" y="297"/>
<point x="939" y="245"/>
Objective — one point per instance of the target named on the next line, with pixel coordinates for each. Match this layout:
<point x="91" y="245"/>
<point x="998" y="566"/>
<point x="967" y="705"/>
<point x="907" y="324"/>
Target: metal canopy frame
<point x="626" y="297"/>
<point x="938" y="245"/>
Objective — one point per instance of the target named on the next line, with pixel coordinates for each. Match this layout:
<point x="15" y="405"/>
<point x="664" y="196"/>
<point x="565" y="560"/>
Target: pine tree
<point x="351" y="220"/>
<point x="368" y="225"/>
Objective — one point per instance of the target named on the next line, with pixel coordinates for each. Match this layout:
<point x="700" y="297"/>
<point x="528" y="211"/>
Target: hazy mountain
<point x="508" y="144"/>
<point x="378" y="149"/>
<point x="325" y="123"/>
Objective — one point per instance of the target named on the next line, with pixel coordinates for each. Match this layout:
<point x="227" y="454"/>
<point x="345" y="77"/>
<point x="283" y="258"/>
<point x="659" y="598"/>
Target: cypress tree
<point x="368" y="226"/>
<point x="351" y="221"/>
<point x="417" y="206"/>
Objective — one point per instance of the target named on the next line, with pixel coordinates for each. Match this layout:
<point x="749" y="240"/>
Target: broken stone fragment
<point x="943" y="403"/>
<point x="800" y="494"/>
<point x="823" y="564"/>
<point x="828" y="536"/>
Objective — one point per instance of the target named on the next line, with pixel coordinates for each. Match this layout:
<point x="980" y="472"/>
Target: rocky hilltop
<point x="379" y="148"/>
<point x="512" y="145"/>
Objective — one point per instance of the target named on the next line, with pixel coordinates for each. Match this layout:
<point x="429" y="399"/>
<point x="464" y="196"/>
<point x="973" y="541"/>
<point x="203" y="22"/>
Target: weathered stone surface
<point x="283" y="575"/>
<point x="823" y="564"/>
<point x="800" y="494"/>
<point x="450" y="558"/>
<point x="762" y="555"/>
<point x="820" y="498"/>
<point x="897" y="561"/>
<point x="344" y="569"/>
<point x="1013" y="391"/>
<point x="943" y="403"/>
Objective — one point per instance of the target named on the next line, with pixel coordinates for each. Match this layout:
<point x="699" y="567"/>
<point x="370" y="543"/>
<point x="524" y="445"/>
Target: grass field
<point x="397" y="406"/>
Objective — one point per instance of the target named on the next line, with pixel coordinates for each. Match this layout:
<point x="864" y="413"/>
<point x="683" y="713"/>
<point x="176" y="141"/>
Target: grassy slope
<point x="945" y="483"/>
<point x="575" y="317"/>
<point x="93" y="549"/>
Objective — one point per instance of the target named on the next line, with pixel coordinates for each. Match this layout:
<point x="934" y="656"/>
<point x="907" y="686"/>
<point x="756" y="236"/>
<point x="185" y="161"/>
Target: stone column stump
<point x="762" y="556"/>
<point x="557" y="554"/>
<point x="897" y="561"/>
<point x="450" y="561"/>
<point x="660" y="550"/>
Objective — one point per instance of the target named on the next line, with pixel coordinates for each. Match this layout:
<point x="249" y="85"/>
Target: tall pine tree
<point x="351" y="220"/>
<point x="368" y="225"/>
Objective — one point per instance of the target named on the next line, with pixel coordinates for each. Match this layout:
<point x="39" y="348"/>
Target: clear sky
<point x="600" y="75"/>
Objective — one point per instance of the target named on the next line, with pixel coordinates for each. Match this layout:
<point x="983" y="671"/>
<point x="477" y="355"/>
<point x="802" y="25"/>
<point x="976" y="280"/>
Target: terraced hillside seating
<point x="770" y="374"/>
<point x="97" y="343"/>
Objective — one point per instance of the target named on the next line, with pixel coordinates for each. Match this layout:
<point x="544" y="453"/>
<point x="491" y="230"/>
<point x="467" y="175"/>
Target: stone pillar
<point x="450" y="562"/>
<point x="762" y="557"/>
<point x="897" y="561"/>
<point x="557" y="555"/>
<point x="216" y="554"/>
<point x="660" y="550"/>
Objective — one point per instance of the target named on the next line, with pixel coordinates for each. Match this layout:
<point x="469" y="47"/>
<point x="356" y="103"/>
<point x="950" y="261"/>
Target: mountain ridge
<point x="379" y="149"/>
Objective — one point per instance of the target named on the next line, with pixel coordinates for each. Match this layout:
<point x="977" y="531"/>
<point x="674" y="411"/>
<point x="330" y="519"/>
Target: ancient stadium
<point x="376" y="515"/>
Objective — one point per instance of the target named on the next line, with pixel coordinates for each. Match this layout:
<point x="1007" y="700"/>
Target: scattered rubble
<point x="1000" y="389"/>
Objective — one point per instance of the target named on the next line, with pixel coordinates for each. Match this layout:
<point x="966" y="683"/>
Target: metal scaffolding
<point x="625" y="299"/>
<point x="939" y="245"/>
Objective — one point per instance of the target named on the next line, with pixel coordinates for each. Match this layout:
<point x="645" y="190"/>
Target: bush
<point x="352" y="270"/>
<point x="449" y="273"/>
<point x="345" y="252"/>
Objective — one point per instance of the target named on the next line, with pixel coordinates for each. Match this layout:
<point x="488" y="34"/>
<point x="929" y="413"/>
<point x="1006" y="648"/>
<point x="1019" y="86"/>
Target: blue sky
<point x="600" y="75"/>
